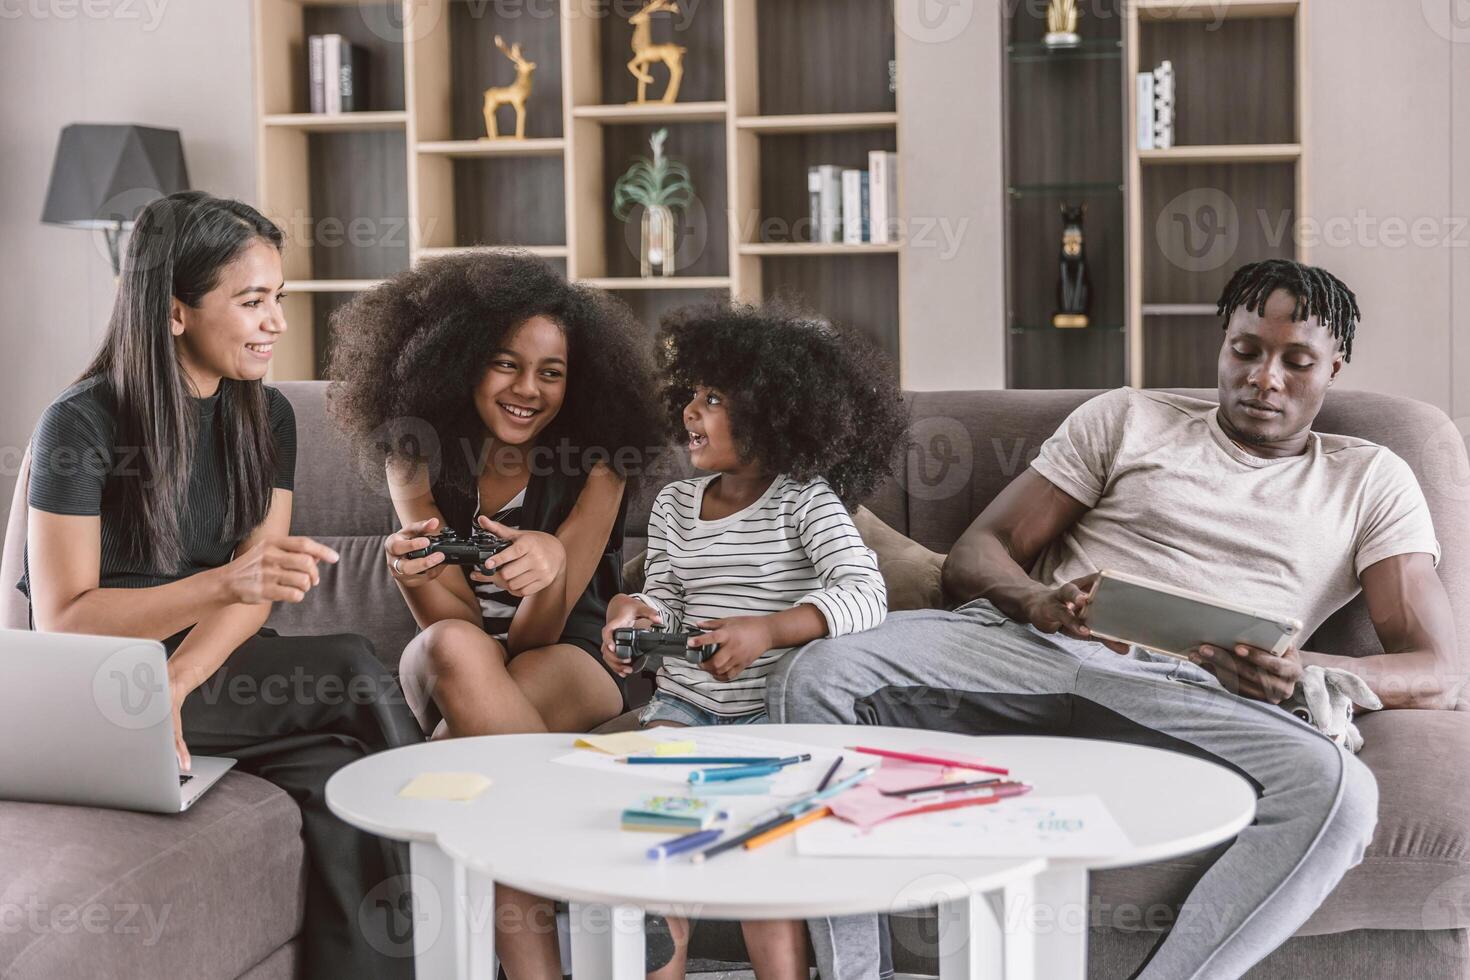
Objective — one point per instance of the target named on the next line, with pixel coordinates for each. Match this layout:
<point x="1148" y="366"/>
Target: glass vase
<point x="657" y="249"/>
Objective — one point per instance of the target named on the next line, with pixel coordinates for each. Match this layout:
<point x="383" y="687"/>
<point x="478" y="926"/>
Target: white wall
<point x="181" y="64"/>
<point x="1384" y="123"/>
<point x="953" y="194"/>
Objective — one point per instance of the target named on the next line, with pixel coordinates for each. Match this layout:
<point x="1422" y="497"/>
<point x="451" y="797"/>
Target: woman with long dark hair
<point x="513" y="402"/>
<point x="160" y="507"/>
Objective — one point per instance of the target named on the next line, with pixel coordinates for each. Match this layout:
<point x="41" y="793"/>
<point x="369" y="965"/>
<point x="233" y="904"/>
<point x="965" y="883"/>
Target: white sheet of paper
<point x="1044" y="826"/>
<point x="792" y="781"/>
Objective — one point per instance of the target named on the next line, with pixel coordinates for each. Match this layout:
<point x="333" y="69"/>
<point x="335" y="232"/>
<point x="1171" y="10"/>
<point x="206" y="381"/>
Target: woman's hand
<point x="177" y="692"/>
<point x="532" y="562"/>
<point x="625" y="611"/>
<point x="413" y="572"/>
<point x="741" y="640"/>
<point x="277" y="569"/>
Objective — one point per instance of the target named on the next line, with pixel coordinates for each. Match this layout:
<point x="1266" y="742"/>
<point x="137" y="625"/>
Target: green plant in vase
<point x="659" y="186"/>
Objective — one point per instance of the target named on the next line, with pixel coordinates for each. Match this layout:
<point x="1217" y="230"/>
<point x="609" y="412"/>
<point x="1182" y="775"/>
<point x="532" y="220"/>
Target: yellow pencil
<point x="788" y="827"/>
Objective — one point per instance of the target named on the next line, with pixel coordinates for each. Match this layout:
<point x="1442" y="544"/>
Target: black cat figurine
<point x="1073" y="292"/>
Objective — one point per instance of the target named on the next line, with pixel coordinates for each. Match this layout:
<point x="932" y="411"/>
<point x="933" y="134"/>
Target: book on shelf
<point x="317" y="73"/>
<point x="883" y="197"/>
<point x="1156" y="107"/>
<point x="335" y="73"/>
<point x="854" y="199"/>
<point x="827" y="226"/>
<point x="1164" y="105"/>
<point x="1145" y="103"/>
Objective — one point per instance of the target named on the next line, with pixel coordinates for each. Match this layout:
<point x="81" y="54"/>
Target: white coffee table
<point x="552" y="829"/>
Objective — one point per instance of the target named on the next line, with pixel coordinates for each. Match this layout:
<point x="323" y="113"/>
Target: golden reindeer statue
<point x="645" y="52"/>
<point x="512" y="95"/>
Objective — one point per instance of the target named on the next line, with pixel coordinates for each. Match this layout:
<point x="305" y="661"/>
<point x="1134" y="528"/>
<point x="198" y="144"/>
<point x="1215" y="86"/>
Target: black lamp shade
<point x="104" y="175"/>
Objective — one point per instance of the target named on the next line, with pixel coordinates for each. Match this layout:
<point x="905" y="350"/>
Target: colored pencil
<point x="791" y="826"/>
<point x="830" y="773"/>
<point x="928" y="760"/>
<point x="781" y="815"/>
<point x="943" y="787"/>
<point x="1018" y="790"/>
<point x="688" y="842"/>
<point x="731" y="773"/>
<point x="701" y="760"/>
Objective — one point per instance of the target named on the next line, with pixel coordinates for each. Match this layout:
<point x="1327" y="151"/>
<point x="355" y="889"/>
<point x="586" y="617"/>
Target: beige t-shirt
<point x="1174" y="500"/>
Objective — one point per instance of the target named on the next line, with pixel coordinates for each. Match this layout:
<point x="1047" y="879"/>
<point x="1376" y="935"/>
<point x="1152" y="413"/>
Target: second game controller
<point x="632" y="645"/>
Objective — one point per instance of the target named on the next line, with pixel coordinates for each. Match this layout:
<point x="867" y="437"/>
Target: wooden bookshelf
<point x="1239" y="149"/>
<point x="1071" y="137"/>
<point x="770" y="88"/>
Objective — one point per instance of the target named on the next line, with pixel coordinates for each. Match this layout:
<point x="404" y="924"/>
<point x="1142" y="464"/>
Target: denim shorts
<point x="666" y="707"/>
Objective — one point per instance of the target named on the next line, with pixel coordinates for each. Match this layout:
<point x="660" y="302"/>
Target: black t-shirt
<point x="550" y="497"/>
<point x="74" y="457"/>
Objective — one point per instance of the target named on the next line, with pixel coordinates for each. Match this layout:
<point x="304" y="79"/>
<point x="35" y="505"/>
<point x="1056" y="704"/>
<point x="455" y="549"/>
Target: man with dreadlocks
<point x="1242" y="501"/>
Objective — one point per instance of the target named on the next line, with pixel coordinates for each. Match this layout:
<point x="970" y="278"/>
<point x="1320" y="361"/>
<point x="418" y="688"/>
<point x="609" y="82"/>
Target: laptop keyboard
<point x="184" y="778"/>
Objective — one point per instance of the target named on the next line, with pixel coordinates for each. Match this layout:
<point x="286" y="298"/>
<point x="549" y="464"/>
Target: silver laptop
<point x="88" y="720"/>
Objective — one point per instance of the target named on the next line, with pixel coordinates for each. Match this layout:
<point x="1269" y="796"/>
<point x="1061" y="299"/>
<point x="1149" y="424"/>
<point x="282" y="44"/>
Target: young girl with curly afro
<point x="792" y="420"/>
<point x="500" y="396"/>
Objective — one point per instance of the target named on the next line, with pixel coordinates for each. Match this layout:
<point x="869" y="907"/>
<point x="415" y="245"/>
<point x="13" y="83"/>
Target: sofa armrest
<point x="1416" y="873"/>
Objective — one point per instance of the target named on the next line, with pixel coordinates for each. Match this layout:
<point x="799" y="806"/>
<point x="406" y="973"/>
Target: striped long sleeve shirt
<point x="796" y="544"/>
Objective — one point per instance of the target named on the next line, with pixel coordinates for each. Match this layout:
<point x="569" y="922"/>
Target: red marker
<point x="929" y="760"/>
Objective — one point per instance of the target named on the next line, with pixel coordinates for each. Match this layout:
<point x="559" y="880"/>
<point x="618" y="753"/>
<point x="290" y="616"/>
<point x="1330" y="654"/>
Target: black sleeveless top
<point x="548" y="502"/>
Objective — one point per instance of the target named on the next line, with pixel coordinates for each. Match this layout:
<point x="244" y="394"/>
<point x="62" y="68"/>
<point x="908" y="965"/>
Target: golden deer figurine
<point x="645" y="52"/>
<point x="512" y="95"/>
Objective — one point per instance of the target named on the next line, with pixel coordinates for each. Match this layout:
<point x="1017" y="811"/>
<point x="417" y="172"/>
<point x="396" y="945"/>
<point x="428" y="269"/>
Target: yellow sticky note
<point x="445" y="786"/>
<point x="685" y="747"/>
<point x="621" y="743"/>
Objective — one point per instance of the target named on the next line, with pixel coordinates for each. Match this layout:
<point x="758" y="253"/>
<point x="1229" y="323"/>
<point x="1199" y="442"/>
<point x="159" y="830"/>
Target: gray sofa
<point x="216" y="892"/>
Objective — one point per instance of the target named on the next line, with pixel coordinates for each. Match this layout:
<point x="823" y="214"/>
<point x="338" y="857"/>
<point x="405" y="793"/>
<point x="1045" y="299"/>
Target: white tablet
<point x="1174" y="621"/>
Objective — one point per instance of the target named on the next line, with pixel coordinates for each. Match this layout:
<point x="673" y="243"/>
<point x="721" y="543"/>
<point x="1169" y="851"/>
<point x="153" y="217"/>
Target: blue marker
<point x="689" y="842"/>
<point x="731" y="772"/>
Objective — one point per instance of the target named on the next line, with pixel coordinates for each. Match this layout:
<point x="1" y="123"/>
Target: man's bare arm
<point x="1411" y="614"/>
<point x="991" y="558"/>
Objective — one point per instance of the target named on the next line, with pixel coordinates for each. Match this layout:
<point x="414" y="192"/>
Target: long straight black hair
<point x="178" y="248"/>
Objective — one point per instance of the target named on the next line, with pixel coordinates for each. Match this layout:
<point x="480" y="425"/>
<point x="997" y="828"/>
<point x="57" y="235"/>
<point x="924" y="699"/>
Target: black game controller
<point x="635" y="646"/>
<point x="459" y="550"/>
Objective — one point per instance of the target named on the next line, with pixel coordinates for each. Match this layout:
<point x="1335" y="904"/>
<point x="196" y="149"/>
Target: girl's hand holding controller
<point x="413" y="572"/>
<point x="741" y="640"/>
<point x="532" y="562"/>
<point x="625" y="611"/>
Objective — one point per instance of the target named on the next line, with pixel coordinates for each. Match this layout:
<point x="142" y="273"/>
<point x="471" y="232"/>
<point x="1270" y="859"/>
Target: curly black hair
<point x="805" y="398"/>
<point x="416" y="346"/>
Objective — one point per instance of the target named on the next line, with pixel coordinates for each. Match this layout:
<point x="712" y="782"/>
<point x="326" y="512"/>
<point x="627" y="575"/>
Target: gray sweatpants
<point x="976" y="672"/>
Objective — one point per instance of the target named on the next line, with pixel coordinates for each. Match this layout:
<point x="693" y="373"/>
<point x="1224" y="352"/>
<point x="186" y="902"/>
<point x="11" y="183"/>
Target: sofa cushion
<point x="910" y="571"/>
<point x="1415" y="874"/>
<point x="207" y="893"/>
